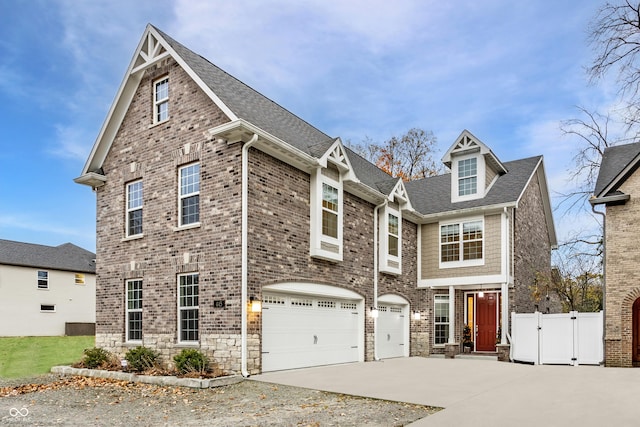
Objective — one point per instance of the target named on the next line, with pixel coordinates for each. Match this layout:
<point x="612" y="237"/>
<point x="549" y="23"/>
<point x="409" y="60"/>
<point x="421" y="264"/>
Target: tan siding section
<point x="431" y="252"/>
<point x="489" y="175"/>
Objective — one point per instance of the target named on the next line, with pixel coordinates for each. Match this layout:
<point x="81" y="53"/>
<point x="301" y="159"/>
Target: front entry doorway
<point x="635" y="331"/>
<point x="483" y="316"/>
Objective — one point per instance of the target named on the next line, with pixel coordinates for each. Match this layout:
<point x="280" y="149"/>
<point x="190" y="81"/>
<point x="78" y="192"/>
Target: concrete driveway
<point x="484" y="392"/>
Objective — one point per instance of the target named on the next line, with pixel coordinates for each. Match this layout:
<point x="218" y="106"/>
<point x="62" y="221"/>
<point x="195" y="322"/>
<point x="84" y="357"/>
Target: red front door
<point x="486" y="315"/>
<point x="635" y="331"/>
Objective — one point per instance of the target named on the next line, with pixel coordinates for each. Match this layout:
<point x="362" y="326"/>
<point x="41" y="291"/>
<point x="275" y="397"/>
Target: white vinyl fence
<point x="567" y="339"/>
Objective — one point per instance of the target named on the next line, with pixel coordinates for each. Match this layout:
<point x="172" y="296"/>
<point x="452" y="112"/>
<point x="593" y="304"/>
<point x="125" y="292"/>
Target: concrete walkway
<point x="485" y="393"/>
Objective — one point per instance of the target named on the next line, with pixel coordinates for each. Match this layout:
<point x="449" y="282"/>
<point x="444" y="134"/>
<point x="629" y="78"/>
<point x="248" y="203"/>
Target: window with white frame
<point x="467" y="176"/>
<point x="134" y="310"/>
<point x="189" y="203"/>
<point x="329" y="211"/>
<point x="43" y="279"/>
<point x="188" y="300"/>
<point x="393" y="235"/>
<point x="441" y="319"/>
<point x="134" y="208"/>
<point x="326" y="214"/>
<point x="390" y="252"/>
<point x="461" y="243"/>
<point x="161" y="100"/>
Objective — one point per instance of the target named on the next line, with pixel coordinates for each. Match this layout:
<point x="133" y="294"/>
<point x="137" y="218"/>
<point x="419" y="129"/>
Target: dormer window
<point x="390" y="230"/>
<point x="326" y="214"/>
<point x="468" y="176"/>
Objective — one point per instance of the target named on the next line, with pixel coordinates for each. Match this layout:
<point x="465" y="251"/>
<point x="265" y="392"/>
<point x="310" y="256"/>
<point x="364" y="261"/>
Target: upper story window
<point x="161" y="100"/>
<point x="393" y="237"/>
<point x="468" y="176"/>
<point x="330" y="211"/>
<point x="326" y="214"/>
<point x="43" y="280"/>
<point x="461" y="244"/>
<point x="188" y="306"/>
<point x="134" y="310"/>
<point x="79" y="279"/>
<point x="134" y="208"/>
<point x="390" y="252"/>
<point x="189" y="191"/>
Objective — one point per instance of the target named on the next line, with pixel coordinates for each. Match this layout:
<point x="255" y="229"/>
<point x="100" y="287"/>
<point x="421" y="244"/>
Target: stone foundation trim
<point x="163" y="381"/>
<point x="504" y="351"/>
<point x="451" y="350"/>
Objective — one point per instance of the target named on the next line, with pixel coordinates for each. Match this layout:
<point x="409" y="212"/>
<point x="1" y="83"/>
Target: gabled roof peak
<point x="467" y="143"/>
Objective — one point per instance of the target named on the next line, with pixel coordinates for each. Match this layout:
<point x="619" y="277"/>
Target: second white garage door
<point x="304" y="330"/>
<point x="392" y="327"/>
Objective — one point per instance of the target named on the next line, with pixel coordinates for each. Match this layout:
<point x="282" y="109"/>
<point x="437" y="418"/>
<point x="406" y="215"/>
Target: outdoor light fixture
<point x="256" y="304"/>
<point x="480" y="294"/>
<point x="416" y="315"/>
<point x="374" y="312"/>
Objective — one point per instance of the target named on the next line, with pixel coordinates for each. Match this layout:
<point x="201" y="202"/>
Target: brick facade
<point x="622" y="275"/>
<point x="278" y="232"/>
<point x="279" y="225"/>
<point x="531" y="253"/>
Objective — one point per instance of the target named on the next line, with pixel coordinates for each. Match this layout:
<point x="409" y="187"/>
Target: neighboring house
<point x="45" y="288"/>
<point x="228" y="224"/>
<point x="618" y="188"/>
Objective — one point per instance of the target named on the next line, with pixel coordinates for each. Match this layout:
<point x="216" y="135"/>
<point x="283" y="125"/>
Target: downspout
<point x="375" y="277"/>
<point x="509" y="256"/>
<point x="245" y="252"/>
<point x="604" y="277"/>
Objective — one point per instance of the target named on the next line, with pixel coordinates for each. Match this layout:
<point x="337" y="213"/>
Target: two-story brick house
<point x="227" y="223"/>
<point x="617" y="188"/>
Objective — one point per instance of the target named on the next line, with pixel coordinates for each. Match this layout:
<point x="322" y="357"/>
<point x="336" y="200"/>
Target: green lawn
<point x="29" y="356"/>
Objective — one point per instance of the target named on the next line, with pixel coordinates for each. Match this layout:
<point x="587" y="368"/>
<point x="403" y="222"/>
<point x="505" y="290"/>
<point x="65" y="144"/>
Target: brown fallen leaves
<point x="79" y="383"/>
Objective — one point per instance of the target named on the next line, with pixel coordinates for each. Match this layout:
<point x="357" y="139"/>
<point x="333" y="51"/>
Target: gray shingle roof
<point x="248" y="104"/>
<point x="369" y="174"/>
<point x="433" y="195"/>
<point x="66" y="257"/>
<point x="614" y="161"/>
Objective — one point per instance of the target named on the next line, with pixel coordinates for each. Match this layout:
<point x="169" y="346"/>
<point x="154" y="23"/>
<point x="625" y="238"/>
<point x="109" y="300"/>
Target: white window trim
<point x="436" y="298"/>
<point x="128" y="210"/>
<point x="196" y="307"/>
<point x="181" y="196"/>
<point x="317" y="238"/>
<point x="128" y="310"/>
<point x="480" y="181"/>
<point x="385" y="257"/>
<point x="38" y="280"/>
<point x="48" y="311"/>
<point x="461" y="262"/>
<point x="157" y="102"/>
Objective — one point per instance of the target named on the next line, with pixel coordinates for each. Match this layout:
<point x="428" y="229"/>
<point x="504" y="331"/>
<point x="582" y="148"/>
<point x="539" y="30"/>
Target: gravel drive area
<point x="73" y="400"/>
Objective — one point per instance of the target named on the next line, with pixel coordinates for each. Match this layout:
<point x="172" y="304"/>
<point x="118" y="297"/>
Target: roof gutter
<point x="616" y="198"/>
<point x="245" y="251"/>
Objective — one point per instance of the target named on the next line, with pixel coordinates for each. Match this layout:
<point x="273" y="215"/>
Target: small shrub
<point x="141" y="358"/>
<point x="190" y="360"/>
<point x="95" y="358"/>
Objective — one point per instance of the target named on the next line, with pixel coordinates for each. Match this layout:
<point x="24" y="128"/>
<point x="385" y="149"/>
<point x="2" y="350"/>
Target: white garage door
<point x="391" y="338"/>
<point x="305" y="330"/>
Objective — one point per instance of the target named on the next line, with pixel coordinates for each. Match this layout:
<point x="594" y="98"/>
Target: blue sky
<point x="507" y="71"/>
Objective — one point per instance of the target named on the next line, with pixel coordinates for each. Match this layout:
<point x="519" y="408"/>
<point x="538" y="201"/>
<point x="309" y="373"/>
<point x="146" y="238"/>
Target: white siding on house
<point x="21" y="300"/>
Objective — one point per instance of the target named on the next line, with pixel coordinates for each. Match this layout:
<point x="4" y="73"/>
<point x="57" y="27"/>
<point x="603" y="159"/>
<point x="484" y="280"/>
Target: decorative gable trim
<point x="152" y="48"/>
<point x="337" y="156"/>
<point x="467" y="143"/>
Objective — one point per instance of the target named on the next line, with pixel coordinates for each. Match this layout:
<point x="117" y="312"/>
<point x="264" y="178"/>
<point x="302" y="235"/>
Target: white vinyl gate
<point x="568" y="338"/>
